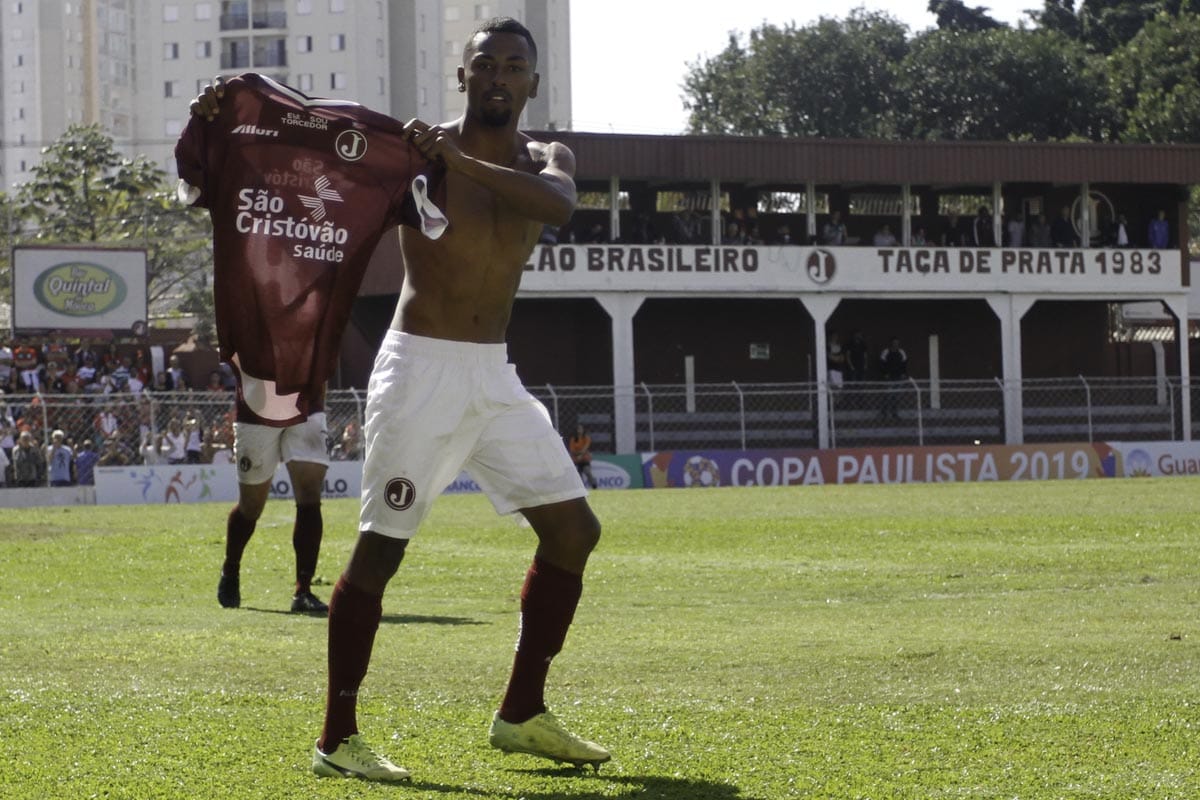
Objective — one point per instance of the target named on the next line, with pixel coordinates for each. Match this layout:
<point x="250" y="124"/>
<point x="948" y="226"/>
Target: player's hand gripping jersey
<point x="300" y="190"/>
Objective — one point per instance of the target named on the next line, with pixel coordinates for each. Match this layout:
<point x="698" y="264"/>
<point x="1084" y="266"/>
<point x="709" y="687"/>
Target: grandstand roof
<point x="777" y="160"/>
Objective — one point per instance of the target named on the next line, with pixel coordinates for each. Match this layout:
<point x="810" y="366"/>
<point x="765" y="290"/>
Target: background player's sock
<point x="238" y="530"/>
<point x="306" y="541"/>
<point x="353" y="620"/>
<point x="548" y="601"/>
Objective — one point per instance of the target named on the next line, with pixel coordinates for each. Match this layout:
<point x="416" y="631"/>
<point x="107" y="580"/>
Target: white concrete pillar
<point x="1010" y="309"/>
<point x="1179" y="307"/>
<point x="821" y="308"/>
<point x="621" y="308"/>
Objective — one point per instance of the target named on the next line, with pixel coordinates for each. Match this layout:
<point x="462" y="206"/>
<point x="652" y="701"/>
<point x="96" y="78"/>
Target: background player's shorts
<point x="259" y="449"/>
<point x="435" y="407"/>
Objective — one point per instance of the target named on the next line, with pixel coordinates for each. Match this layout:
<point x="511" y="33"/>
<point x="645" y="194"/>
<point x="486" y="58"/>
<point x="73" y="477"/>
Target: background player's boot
<point x="308" y="603"/>
<point x="354" y="758"/>
<point x="229" y="591"/>
<point x="545" y="736"/>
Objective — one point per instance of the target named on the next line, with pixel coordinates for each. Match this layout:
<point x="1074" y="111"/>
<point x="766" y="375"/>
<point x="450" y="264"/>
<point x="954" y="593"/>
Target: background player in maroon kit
<point x="300" y="191"/>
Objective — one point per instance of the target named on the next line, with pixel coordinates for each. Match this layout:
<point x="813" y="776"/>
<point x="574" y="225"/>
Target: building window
<point x="18" y="8"/>
<point x="454" y="48"/>
<point x="303" y="44"/>
<point x="423" y="96"/>
<point x="306" y="81"/>
<point x="20" y="59"/>
<point x="170" y="51"/>
<point x="204" y="49"/>
<point x="337" y="6"/>
<point x="451" y="83"/>
<point x="172" y="127"/>
<point x="337" y="80"/>
<point x="483" y="11"/>
<point x="381" y="85"/>
<point x="170" y="12"/>
<point x="171" y="89"/>
<point x="379" y="47"/>
<point x="203" y="11"/>
<point x="452" y="14"/>
<point x="303" y="6"/>
<point x="337" y="41"/>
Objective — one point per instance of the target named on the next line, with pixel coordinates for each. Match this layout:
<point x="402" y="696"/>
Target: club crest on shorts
<point x="244" y="463"/>
<point x="399" y="493"/>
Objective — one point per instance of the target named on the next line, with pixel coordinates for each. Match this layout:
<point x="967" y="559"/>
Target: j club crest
<point x="350" y="145"/>
<point x="400" y="493"/>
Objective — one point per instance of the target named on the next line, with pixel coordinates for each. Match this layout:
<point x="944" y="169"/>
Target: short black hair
<point x="503" y="25"/>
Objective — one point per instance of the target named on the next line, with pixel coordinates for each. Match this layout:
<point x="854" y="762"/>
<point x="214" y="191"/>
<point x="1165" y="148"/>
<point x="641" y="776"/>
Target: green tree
<point x="955" y="15"/>
<point x="84" y="192"/>
<point x="1107" y="25"/>
<point x="833" y="78"/>
<point x="1001" y="84"/>
<point x="1155" y="81"/>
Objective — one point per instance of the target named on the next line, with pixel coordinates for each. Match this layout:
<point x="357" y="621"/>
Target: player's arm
<point x="546" y="196"/>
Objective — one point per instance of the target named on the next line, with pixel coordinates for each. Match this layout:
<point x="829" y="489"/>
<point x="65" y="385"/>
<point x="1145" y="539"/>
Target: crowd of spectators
<point x="64" y="410"/>
<point x="966" y="230"/>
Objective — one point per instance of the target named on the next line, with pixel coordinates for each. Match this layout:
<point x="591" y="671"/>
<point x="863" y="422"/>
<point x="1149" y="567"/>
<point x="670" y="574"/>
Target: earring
<point x="462" y="87"/>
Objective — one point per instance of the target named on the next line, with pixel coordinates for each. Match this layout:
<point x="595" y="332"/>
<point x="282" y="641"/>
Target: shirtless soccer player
<point x="443" y="397"/>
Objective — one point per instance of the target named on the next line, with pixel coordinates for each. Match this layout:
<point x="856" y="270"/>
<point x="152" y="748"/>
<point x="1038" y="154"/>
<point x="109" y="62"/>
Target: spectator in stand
<point x="893" y="365"/>
<point x="919" y="239"/>
<point x="5" y="463"/>
<point x="70" y="379"/>
<point x="856" y="357"/>
<point x="172" y="443"/>
<point x="596" y="234"/>
<point x="350" y="446"/>
<point x="1062" y="230"/>
<point x="1158" y="234"/>
<point x="835" y="360"/>
<point x="87" y="372"/>
<point x="61" y="460"/>
<point x="214" y="382"/>
<point x="148" y="450"/>
<point x="161" y="382"/>
<point x="8" y="435"/>
<point x="783" y="235"/>
<point x="982" y="234"/>
<point x="121" y="374"/>
<point x="218" y="449"/>
<point x="580" y="447"/>
<point x="115" y="454"/>
<point x="29" y="463"/>
<point x="85" y="463"/>
<point x="54" y="383"/>
<point x="884" y="237"/>
<point x="1016" y="230"/>
<point x="1039" y="232"/>
<point x="834" y="231"/>
<point x="1120" y="232"/>
<point x="733" y="233"/>
<point x="107" y="424"/>
<point x="31" y="371"/>
<point x="194" y="433"/>
<point x="176" y="377"/>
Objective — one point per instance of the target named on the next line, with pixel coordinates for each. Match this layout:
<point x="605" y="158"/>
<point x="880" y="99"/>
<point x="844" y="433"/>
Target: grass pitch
<point x="1031" y="640"/>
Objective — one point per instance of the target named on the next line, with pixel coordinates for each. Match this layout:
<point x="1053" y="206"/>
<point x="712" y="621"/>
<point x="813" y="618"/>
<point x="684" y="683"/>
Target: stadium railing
<point x="705" y="416"/>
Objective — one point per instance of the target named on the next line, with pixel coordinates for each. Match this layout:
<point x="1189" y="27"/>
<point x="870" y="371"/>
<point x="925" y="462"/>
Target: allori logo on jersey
<point x="254" y="130"/>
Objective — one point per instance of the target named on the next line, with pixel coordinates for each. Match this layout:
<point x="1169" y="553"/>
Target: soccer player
<point x="300" y="191"/>
<point x="443" y="397"/>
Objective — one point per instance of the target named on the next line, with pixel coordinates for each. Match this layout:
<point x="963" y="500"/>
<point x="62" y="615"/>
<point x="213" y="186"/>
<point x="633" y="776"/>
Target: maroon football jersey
<point x="300" y="190"/>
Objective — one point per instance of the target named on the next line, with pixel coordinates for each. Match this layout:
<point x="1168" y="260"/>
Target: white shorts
<point x="259" y="449"/>
<point x="436" y="407"/>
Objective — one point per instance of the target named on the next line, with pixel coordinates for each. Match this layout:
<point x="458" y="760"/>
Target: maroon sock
<point x="353" y="620"/>
<point x="548" y="601"/>
<point x="238" y="530"/>
<point x="306" y="541"/>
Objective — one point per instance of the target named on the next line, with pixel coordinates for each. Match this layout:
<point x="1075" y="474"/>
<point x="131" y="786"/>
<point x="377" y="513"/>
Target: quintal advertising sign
<point x="79" y="288"/>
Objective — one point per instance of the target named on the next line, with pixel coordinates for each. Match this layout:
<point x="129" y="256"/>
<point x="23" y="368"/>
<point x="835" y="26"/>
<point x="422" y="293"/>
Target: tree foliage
<point x="1105" y="70"/>
<point x="831" y="78"/>
<point x="84" y="191"/>
<point x="1001" y="84"/>
<point x="1155" y="81"/>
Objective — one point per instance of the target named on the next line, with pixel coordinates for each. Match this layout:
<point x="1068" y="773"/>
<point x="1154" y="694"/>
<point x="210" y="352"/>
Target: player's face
<point x="499" y="76"/>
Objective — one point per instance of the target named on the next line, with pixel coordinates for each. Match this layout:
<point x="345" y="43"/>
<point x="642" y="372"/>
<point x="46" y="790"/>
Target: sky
<point x="628" y="57"/>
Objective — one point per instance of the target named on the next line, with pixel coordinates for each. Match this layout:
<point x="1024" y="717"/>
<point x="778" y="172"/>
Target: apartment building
<point x="134" y="65"/>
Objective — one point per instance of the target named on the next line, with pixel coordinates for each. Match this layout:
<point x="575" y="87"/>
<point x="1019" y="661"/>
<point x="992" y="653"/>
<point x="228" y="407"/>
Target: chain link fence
<point x="125" y="428"/>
